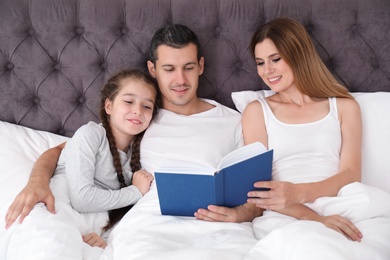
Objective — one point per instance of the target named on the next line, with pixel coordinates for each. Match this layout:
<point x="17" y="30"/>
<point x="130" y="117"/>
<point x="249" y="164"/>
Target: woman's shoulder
<point x="348" y="107"/>
<point x="347" y="103"/>
<point x="253" y="108"/>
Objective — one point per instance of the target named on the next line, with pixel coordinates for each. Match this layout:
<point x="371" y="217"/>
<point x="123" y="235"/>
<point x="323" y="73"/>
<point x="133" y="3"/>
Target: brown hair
<point x="109" y="92"/>
<point x="295" y="46"/>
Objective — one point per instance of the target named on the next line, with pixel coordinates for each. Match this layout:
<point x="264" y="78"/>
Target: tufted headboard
<point x="55" y="55"/>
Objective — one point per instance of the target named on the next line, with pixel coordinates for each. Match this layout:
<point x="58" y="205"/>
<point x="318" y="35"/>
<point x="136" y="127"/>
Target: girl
<point x="312" y="123"/>
<point x="102" y="161"/>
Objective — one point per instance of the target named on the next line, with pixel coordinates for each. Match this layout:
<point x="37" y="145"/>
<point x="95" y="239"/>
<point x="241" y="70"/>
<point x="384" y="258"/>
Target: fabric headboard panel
<point x="55" y="55"/>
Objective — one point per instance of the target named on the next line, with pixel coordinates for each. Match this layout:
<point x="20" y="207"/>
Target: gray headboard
<point x="55" y="55"/>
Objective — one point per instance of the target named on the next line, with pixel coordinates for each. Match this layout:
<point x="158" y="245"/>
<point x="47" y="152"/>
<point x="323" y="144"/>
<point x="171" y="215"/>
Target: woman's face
<point x="272" y="69"/>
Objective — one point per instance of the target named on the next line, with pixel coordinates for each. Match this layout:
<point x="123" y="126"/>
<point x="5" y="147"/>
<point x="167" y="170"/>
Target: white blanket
<point x="145" y="234"/>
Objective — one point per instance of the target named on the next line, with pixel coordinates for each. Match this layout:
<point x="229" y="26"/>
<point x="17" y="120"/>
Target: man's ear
<point x="201" y="65"/>
<point x="151" y="68"/>
<point x="108" y="106"/>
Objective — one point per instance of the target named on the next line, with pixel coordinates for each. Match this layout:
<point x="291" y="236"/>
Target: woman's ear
<point x="108" y="106"/>
<point x="151" y="68"/>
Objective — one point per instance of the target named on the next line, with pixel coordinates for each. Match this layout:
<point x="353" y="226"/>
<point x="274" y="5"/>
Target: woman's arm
<point x="335" y="222"/>
<point x="37" y="188"/>
<point x="283" y="194"/>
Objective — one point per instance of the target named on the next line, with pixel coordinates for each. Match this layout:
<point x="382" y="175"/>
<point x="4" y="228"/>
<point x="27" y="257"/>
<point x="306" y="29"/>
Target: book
<point x="185" y="185"/>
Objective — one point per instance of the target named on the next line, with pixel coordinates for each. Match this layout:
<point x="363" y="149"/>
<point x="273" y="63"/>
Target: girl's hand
<point x="142" y="180"/>
<point x="279" y="196"/>
<point x="94" y="239"/>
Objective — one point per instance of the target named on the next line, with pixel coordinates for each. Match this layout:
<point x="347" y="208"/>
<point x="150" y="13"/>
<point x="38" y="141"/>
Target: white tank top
<point x="306" y="152"/>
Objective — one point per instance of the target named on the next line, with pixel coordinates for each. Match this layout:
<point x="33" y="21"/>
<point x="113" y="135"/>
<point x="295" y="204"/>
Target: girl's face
<point x="272" y="69"/>
<point x="132" y="109"/>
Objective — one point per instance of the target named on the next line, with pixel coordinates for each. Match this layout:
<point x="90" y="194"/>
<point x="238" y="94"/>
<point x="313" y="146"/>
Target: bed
<point x="55" y="56"/>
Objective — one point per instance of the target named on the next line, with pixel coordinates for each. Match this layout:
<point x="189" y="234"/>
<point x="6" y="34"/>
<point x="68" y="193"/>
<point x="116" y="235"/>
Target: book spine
<point x="219" y="188"/>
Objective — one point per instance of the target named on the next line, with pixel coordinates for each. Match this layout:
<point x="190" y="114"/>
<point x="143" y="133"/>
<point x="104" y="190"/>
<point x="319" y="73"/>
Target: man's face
<point x="177" y="72"/>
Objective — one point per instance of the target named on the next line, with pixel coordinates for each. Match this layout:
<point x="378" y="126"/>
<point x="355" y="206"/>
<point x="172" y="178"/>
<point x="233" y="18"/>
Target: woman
<point x="312" y="123"/>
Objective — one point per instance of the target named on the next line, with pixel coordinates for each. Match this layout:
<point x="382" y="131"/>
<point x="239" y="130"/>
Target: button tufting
<point x="57" y="66"/>
<point x="309" y="28"/>
<point x="61" y="131"/>
<point x="217" y="30"/>
<point x="125" y="31"/>
<point x="355" y="28"/>
<point x="31" y="31"/>
<point x="36" y="100"/>
<point x="375" y="64"/>
<point x="239" y="64"/>
<point x="10" y="66"/>
<point x="329" y="63"/>
<point x="82" y="100"/>
<point x="104" y="65"/>
<point x="79" y="30"/>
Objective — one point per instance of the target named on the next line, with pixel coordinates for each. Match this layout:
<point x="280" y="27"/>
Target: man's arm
<point x="243" y="213"/>
<point x="37" y="188"/>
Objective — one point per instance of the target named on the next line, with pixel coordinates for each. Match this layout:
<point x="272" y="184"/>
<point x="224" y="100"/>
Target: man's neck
<point x="195" y="107"/>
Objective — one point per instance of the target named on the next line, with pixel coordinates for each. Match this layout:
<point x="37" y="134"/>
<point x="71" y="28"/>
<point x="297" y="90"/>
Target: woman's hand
<point x="342" y="225"/>
<point x="279" y="196"/>
<point x="142" y="180"/>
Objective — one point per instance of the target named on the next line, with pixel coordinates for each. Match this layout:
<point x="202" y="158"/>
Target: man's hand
<point x="37" y="188"/>
<point x="243" y="213"/>
<point x="24" y="202"/>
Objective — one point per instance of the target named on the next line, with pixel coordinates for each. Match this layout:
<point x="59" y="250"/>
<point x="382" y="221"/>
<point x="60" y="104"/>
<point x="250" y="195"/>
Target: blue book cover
<point x="184" y="185"/>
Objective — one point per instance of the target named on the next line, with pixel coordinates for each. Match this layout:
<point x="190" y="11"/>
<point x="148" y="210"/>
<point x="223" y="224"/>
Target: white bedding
<point x="145" y="234"/>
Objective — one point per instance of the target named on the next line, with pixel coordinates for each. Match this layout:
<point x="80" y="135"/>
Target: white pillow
<point x="20" y="147"/>
<point x="375" y="108"/>
<point x="242" y="98"/>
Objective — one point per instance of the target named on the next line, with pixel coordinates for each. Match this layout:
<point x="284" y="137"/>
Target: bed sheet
<point x="145" y="234"/>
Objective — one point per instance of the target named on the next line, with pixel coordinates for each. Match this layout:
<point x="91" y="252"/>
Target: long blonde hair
<point x="295" y="46"/>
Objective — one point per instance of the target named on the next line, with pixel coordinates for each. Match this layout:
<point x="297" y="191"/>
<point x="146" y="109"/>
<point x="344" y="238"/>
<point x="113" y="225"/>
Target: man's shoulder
<point x="221" y="109"/>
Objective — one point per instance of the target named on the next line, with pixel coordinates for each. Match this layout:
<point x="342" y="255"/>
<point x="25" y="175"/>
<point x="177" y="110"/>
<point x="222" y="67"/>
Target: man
<point x="186" y="125"/>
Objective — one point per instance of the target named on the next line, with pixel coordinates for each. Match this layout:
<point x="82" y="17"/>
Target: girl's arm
<point x="37" y="188"/>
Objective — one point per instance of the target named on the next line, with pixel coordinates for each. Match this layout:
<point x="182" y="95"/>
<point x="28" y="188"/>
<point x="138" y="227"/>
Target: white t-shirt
<point x="207" y="136"/>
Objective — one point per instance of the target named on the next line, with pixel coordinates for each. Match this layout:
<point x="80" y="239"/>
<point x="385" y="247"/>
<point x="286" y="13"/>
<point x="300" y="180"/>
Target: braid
<point x="135" y="162"/>
<point x="115" y="155"/>
<point x="109" y="92"/>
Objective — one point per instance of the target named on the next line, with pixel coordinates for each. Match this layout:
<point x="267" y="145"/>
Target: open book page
<point x="241" y="154"/>
<point x="173" y="163"/>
